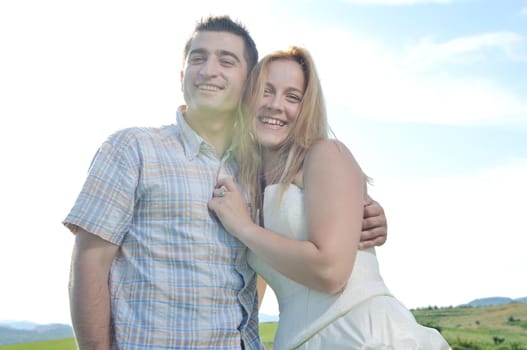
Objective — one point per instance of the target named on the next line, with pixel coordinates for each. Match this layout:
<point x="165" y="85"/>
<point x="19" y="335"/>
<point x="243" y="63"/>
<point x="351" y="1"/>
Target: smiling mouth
<point x="206" y="87"/>
<point x="272" y="121"/>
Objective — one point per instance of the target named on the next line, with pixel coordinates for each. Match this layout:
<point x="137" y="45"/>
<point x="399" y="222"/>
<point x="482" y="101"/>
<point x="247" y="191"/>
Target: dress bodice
<point x="304" y="311"/>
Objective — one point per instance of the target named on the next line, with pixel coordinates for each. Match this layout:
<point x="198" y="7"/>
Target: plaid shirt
<point x="180" y="281"/>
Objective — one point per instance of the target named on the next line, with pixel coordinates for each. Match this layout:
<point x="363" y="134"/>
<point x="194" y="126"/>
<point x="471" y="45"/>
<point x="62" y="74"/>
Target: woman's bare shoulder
<point x="327" y="148"/>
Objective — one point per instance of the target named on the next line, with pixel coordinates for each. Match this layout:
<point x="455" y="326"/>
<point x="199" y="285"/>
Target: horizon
<point x="518" y="300"/>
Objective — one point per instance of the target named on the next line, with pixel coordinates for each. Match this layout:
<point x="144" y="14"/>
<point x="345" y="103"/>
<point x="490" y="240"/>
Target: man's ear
<point x="181" y="76"/>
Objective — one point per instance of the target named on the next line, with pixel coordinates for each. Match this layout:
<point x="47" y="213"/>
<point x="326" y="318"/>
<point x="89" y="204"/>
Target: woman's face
<point x="279" y="106"/>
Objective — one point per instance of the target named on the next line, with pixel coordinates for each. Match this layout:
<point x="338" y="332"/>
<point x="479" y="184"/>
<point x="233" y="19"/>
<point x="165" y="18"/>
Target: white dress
<point x="364" y="316"/>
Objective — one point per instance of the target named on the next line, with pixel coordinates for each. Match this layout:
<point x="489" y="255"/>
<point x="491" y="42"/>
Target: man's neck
<point x="215" y="129"/>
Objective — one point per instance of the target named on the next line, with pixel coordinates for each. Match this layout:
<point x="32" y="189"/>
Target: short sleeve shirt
<point x="180" y="281"/>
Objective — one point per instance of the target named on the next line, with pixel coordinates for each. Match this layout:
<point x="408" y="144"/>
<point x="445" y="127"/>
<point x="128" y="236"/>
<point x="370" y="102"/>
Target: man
<point x="152" y="268"/>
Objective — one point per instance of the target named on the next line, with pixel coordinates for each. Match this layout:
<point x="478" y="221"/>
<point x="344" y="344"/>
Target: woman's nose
<point x="275" y="102"/>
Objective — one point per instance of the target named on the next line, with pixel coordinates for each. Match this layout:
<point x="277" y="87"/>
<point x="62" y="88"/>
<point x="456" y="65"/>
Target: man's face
<point x="214" y="73"/>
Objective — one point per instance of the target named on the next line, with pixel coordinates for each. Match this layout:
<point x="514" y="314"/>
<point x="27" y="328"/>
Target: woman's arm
<point x="334" y="192"/>
<point x="334" y="196"/>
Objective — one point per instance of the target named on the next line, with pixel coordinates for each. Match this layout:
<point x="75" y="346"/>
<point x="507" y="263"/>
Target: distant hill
<point x="495" y="301"/>
<point x="19" y="324"/>
<point x="13" y="332"/>
<point x="267" y="318"/>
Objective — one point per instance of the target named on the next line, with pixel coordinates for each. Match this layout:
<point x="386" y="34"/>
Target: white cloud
<point x="375" y="83"/>
<point x="439" y="101"/>
<point x="466" y="227"/>
<point x="467" y="49"/>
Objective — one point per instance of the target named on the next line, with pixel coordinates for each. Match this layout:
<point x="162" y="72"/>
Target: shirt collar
<point x="192" y="141"/>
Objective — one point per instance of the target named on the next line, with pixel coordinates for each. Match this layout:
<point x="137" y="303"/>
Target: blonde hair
<point x="310" y="126"/>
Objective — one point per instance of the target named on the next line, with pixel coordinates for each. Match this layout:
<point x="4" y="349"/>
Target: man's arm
<point x="89" y="290"/>
<point x="374" y="225"/>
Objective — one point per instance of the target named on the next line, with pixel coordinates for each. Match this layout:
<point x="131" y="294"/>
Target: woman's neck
<point x="270" y="163"/>
<point x="273" y="164"/>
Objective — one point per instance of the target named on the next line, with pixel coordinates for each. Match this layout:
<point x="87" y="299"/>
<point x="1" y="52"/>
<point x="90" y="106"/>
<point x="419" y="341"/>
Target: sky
<point x="429" y="95"/>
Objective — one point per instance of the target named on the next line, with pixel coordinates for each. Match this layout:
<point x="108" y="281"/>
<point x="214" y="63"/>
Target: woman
<point x="330" y="297"/>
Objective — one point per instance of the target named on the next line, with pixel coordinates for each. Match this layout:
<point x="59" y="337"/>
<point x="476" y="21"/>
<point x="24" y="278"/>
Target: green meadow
<point x="501" y="327"/>
<point x="55" y="344"/>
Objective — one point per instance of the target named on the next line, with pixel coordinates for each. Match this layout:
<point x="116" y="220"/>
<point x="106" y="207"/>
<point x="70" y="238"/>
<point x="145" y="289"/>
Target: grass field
<point x="501" y="327"/>
<point x="56" y="344"/>
<point x="471" y="328"/>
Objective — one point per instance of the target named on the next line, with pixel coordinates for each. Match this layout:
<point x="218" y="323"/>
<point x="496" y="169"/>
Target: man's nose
<point x="209" y="68"/>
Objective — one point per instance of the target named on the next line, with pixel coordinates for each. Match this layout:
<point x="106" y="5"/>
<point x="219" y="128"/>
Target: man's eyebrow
<point x="197" y="51"/>
<point x="221" y="53"/>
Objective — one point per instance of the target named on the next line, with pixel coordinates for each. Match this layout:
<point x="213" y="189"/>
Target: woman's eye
<point x="294" y="98"/>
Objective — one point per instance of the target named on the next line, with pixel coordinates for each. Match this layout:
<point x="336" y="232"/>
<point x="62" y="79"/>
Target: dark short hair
<point x="226" y="24"/>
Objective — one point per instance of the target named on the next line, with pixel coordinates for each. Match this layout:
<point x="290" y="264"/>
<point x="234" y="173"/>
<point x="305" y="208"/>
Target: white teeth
<point x="272" y="121"/>
<point x="208" y="87"/>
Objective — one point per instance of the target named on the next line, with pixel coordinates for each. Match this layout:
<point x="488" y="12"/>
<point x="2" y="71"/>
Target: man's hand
<point x="374" y="225"/>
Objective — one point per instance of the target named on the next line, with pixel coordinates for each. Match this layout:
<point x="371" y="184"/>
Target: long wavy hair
<point x="310" y="126"/>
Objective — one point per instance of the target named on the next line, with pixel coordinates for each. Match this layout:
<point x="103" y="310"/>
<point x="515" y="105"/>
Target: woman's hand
<point x="374" y="225"/>
<point x="230" y="207"/>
